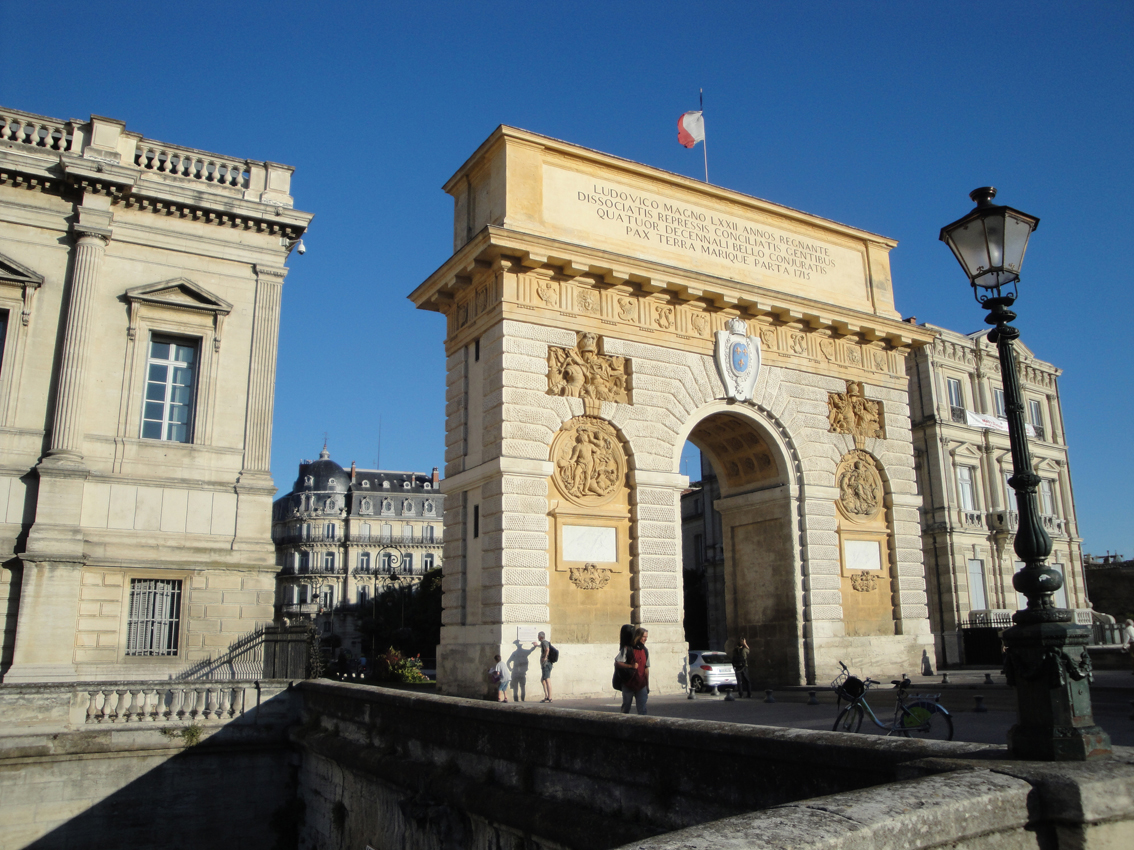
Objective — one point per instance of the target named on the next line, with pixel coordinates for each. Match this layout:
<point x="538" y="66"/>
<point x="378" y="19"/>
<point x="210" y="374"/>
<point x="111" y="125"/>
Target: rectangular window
<point x="171" y="381"/>
<point x="1047" y="497"/>
<point x="429" y="534"/>
<point x="3" y="335"/>
<point x="427" y="561"/>
<point x="364" y="562"/>
<point x="329" y="562"/>
<point x="304" y="593"/>
<point x="965" y="492"/>
<point x="1035" y="414"/>
<point x="387" y="562"/>
<point x="476" y="351"/>
<point x="363" y="595"/>
<point x="1061" y="594"/>
<point x="956" y="396"/>
<point x="329" y="534"/>
<point x="698" y="549"/>
<point x="998" y="404"/>
<point x="327" y="597"/>
<point x="978" y="594"/>
<point x="407" y="562"/>
<point x="155" y="617"/>
<point x="1009" y="493"/>
<point x="289" y="594"/>
<point x="365" y="531"/>
<point x="304" y="562"/>
<point x="476" y="521"/>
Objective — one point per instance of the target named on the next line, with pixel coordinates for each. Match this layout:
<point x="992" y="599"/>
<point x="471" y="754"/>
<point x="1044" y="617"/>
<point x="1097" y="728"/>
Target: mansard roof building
<point x="343" y="536"/>
<point x="969" y="515"/>
<point x="140" y="290"/>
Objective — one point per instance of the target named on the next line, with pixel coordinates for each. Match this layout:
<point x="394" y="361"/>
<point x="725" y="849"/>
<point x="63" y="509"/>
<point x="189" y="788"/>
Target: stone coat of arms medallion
<point x="860" y="487"/>
<point x="737" y="356"/>
<point x="590" y="465"/>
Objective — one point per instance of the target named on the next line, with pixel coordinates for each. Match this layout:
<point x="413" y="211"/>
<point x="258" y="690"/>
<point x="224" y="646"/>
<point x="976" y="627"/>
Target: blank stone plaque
<point x="594" y="544"/>
<point x="862" y="555"/>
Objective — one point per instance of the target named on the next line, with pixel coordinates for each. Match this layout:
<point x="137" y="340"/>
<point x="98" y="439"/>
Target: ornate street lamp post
<point x="1046" y="657"/>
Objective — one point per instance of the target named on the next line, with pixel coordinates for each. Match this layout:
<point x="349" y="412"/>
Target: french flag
<point x="691" y="128"/>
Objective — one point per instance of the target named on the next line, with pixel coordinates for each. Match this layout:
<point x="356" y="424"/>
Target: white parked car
<point x="709" y="668"/>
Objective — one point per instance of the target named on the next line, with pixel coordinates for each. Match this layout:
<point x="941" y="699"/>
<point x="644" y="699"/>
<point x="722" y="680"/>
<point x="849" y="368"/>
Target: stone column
<point x="67" y="430"/>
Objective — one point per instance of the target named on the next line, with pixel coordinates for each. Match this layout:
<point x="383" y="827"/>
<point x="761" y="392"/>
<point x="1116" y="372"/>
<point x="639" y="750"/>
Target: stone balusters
<point x="186" y="703"/>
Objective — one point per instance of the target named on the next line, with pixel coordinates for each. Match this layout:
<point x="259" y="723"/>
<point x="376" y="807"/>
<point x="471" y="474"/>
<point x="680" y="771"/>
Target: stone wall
<point x="395" y="770"/>
<point x="99" y="765"/>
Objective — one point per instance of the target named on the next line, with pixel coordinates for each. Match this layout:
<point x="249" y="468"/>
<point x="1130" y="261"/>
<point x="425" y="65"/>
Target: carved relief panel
<point x="582" y="372"/>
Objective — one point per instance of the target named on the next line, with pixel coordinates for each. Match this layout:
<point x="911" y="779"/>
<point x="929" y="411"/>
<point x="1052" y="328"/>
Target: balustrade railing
<point x="972" y="519"/>
<point x="297" y="535"/>
<point x="147" y="703"/>
<point x="35" y="131"/>
<point x="185" y="162"/>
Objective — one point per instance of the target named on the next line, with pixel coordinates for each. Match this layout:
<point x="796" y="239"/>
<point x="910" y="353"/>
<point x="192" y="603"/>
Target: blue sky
<point x="879" y="115"/>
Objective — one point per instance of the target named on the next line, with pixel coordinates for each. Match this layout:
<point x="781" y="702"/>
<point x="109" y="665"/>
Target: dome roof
<point x="321" y="475"/>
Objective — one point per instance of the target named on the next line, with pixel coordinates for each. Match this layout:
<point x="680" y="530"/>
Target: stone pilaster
<point x="262" y="375"/>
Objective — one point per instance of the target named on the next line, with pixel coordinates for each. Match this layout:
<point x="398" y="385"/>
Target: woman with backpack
<point x="633" y="662"/>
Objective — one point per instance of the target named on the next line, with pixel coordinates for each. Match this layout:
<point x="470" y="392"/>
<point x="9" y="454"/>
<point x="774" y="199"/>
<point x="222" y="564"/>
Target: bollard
<point x="812" y="699"/>
<point x="988" y="679"/>
<point x="979" y="708"/>
<point x="728" y="697"/>
<point x="691" y="689"/>
<point x="944" y="678"/>
<point x="768" y="696"/>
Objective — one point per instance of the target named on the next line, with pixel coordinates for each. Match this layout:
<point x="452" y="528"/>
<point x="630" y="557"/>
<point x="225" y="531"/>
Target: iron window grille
<point x="154" y="625"/>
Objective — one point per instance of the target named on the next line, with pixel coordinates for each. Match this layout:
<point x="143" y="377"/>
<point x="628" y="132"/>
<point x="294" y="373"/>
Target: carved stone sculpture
<point x="863" y="582"/>
<point x="581" y="372"/>
<point x="853" y="413"/>
<point x="590" y="465"/>
<point x="860" y="486"/>
<point x="590" y="577"/>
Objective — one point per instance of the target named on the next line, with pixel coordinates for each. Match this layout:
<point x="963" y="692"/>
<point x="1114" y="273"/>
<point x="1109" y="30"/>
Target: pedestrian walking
<point x="634" y="663"/>
<point x="545" y="665"/>
<point x="499" y="676"/>
<point x="740" y="666"/>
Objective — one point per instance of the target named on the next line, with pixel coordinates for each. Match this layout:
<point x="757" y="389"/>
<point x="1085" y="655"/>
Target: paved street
<point x="1111" y="694"/>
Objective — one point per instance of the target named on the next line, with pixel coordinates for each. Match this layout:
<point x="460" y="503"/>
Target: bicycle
<point x="921" y="717"/>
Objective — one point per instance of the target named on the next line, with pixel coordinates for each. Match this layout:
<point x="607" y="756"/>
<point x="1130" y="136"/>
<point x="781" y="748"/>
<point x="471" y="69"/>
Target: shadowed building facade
<point x="599" y="313"/>
<point x="140" y="287"/>
<point x="969" y="515"/>
<point x="344" y="536"/>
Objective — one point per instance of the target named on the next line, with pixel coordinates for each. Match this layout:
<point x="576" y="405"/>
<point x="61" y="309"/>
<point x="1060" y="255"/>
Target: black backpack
<point x="552" y="654"/>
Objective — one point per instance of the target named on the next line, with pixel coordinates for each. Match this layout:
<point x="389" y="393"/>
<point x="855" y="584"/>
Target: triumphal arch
<point x="599" y="314"/>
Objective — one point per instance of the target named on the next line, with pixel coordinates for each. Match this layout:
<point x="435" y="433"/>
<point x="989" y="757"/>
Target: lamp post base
<point x="1048" y="665"/>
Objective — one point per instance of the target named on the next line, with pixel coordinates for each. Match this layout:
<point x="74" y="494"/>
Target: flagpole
<point x="705" y="141"/>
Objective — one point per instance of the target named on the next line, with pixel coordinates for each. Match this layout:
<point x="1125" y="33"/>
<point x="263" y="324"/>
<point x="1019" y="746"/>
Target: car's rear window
<point x="714" y="658"/>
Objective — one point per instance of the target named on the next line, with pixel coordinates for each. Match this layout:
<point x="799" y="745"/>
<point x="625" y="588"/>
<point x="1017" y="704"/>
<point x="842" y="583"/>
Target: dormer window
<point x="365" y="485"/>
<point x="385" y="485"/>
<point x="308" y="480"/>
<point x="405" y="485"/>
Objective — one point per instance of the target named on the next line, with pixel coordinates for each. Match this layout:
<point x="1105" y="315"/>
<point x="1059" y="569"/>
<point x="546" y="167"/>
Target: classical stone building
<point x="969" y="514"/>
<point x="599" y="313"/>
<point x="140" y="287"/>
<point x="344" y="536"/>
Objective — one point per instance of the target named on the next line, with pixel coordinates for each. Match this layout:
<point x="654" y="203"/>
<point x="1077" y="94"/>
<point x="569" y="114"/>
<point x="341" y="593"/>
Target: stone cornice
<point x="503" y="249"/>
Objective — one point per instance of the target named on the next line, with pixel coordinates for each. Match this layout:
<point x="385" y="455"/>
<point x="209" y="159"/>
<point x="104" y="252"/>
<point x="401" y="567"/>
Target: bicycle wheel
<point x="928" y="720"/>
<point x="849" y="719"/>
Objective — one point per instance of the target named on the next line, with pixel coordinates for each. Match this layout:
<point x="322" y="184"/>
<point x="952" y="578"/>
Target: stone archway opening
<point x="742" y="579"/>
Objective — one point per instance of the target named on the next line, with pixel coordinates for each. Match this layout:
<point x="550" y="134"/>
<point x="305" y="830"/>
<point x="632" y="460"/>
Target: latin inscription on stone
<point x="699" y="236"/>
